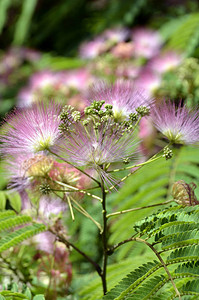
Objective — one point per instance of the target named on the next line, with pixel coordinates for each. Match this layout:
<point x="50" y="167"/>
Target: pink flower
<point x="179" y="124"/>
<point x="165" y="62"/>
<point x="31" y="130"/>
<point x="148" y="82"/>
<point x="76" y="79"/>
<point x="91" y="49"/>
<point x="93" y="147"/>
<point x="147" y="42"/>
<point x="116" y="35"/>
<point x="123" y="50"/>
<point x="122" y="95"/>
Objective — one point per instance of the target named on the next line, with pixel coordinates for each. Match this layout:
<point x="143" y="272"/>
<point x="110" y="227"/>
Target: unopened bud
<point x="143" y="111"/>
<point x="168" y="153"/>
<point x="183" y="193"/>
<point x="45" y="189"/>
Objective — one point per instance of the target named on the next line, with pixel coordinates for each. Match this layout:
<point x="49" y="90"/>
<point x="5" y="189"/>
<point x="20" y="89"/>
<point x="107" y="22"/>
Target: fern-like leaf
<point x="20" y="235"/>
<point x="176" y="231"/>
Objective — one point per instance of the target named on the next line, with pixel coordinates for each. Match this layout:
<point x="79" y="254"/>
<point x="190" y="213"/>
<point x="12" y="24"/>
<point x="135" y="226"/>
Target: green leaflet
<point x="20" y="235"/>
<point x="24" y="20"/>
<point x="4" y="6"/>
<point x="9" y="220"/>
<point x="11" y="295"/>
<point x="150" y="280"/>
<point x="185" y="37"/>
<point x="150" y="185"/>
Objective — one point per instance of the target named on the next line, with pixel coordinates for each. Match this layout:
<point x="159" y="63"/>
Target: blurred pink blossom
<point x="91" y="49"/>
<point x="128" y="70"/>
<point x="117" y="34"/>
<point x="165" y="62"/>
<point x="123" y="50"/>
<point x="147" y="42"/>
<point x="148" y="81"/>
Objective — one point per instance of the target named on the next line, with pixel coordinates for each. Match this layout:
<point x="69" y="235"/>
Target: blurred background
<point x="56" y="50"/>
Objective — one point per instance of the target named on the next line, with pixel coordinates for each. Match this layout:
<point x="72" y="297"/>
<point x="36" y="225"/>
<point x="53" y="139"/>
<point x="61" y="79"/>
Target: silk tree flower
<point x="78" y="79"/>
<point x="147" y="42"/>
<point x="27" y="170"/>
<point x="38" y="84"/>
<point x="148" y="81"/>
<point x="92" y="148"/>
<point x="116" y="35"/>
<point x="31" y="130"/>
<point x="165" y="62"/>
<point x="178" y="124"/>
<point x="93" y="48"/>
<point x="123" y="50"/>
<point x="32" y="171"/>
<point x="122" y="95"/>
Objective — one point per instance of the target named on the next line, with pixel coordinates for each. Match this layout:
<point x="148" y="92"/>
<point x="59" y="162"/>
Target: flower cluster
<point x="134" y="54"/>
<point x="35" y="138"/>
<point x="60" y="85"/>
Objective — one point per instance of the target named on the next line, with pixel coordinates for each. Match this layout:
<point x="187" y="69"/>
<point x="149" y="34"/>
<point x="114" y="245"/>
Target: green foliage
<point x="13" y="293"/>
<point x="9" y="220"/>
<point x="4" y="5"/>
<point x="169" y="28"/>
<point x="186" y="37"/>
<point x="115" y="272"/>
<point x="176" y="232"/>
<point x="150" y="185"/>
<point x="57" y="63"/>
<point x="23" y="23"/>
<point x="182" y="83"/>
<point x="14" y="200"/>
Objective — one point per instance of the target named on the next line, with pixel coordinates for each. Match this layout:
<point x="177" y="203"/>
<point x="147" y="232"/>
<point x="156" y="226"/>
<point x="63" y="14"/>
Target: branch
<point x="137" y="208"/>
<point x="61" y="237"/>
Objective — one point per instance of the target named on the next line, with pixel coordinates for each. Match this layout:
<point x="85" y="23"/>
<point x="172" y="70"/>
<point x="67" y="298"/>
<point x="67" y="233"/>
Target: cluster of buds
<point x="168" y="153"/>
<point x="68" y="116"/>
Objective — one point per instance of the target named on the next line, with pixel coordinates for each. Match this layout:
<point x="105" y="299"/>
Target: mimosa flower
<point x="31" y="130"/>
<point x="122" y="96"/>
<point x="147" y="42"/>
<point x="90" y="147"/>
<point x="178" y="124"/>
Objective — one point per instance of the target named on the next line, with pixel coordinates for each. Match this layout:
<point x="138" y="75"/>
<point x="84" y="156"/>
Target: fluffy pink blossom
<point x="91" y="49"/>
<point x="31" y="130"/>
<point x="147" y="42"/>
<point x="165" y="62"/>
<point x="116" y="35"/>
<point x="179" y="124"/>
<point x="123" y="96"/>
<point x="148" y="81"/>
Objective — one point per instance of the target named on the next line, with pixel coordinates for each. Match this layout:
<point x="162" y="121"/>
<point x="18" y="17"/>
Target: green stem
<point x="86" y="214"/>
<point x="134" y="166"/>
<point x="136" y="124"/>
<point x="70" y="207"/>
<point x="104" y="238"/>
<point x="137" y="208"/>
<point x="128" y="175"/>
